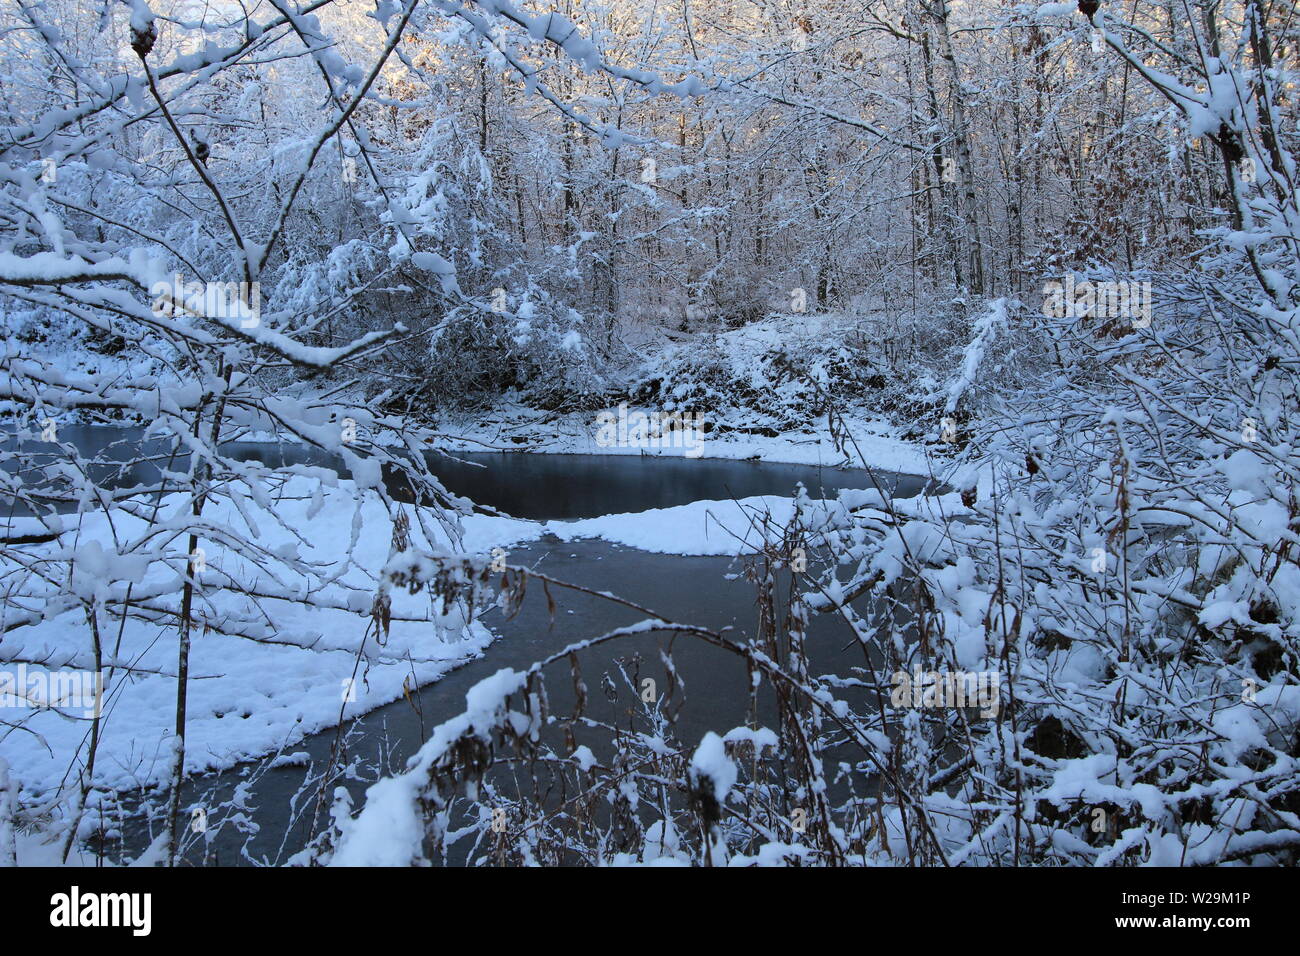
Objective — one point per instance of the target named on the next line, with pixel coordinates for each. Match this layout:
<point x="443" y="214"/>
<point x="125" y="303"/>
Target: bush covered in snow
<point x="530" y="344"/>
<point x="782" y="374"/>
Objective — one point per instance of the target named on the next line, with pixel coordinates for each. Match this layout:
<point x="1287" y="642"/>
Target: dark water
<point x="584" y="486"/>
<point x="689" y="589"/>
<point x="275" y="817"/>
<point x="538" y="486"/>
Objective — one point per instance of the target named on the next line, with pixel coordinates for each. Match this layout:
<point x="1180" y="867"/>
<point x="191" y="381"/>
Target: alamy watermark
<point x="626" y="429"/>
<point x="45" y="690"/>
<point x="1074" y="299"/>
<point x="76" y="908"/>
<point x="215" y="300"/>
<point x="933" y="690"/>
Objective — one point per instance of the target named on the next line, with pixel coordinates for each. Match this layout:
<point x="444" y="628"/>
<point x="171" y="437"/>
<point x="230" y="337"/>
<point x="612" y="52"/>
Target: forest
<point x="649" y="432"/>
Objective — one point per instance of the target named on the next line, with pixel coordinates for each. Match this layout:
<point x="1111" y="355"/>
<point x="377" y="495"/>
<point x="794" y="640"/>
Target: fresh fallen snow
<point x="390" y="827"/>
<point x="245" y="698"/>
<point x="698" y="528"/>
<point x="43" y="848"/>
<point x="726" y="528"/>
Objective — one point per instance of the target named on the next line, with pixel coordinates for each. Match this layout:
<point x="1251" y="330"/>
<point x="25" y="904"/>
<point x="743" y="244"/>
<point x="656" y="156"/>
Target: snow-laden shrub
<point x="1124" y="555"/>
<point x="777" y="375"/>
<point x="785" y="372"/>
<point x="532" y="345"/>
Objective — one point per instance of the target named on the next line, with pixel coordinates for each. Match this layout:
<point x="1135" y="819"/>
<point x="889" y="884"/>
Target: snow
<point x="389" y="829"/>
<point x="986" y="329"/>
<point x="1119" y="551"/>
<point x="711" y="768"/>
<point x="36" y="848"/>
<point x="246" y="697"/>
<point x="584" y="758"/>
<point x="698" y="528"/>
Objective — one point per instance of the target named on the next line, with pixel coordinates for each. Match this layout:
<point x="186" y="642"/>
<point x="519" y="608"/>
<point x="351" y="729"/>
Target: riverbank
<point x="250" y="693"/>
<point x="518" y="428"/>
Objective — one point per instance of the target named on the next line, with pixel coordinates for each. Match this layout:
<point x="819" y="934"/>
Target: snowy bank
<point x="247" y="696"/>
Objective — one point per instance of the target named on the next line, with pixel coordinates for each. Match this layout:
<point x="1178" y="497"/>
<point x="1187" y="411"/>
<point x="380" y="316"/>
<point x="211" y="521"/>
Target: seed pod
<point x="201" y="149"/>
<point x="143" y="36"/>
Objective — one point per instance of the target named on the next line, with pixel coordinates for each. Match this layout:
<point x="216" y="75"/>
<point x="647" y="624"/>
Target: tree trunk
<point x="974" y="252"/>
